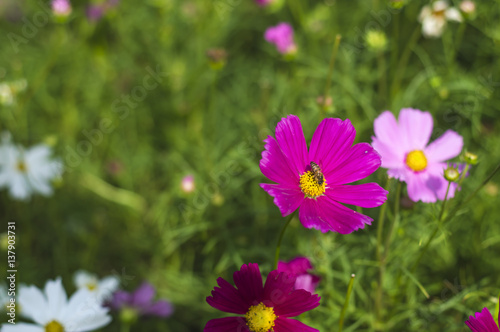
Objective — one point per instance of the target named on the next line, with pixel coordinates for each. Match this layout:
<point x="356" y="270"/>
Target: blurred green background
<point x="120" y="208"/>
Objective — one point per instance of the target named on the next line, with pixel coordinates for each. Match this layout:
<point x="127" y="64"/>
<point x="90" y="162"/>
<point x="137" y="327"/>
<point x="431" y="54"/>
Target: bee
<point x="318" y="176"/>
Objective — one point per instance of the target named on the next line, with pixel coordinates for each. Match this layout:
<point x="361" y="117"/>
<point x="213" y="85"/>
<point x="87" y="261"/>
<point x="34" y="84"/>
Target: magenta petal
<point x="416" y="126"/>
<point x="326" y="215"/>
<point x="290" y="138"/>
<point x="274" y="164"/>
<point x="278" y="286"/>
<point x="227" y="324"/>
<point x="160" y="308"/>
<point x="359" y="162"/>
<point x="447" y="146"/>
<point x="297" y="302"/>
<point x="227" y="298"/>
<point x="483" y="322"/>
<point x="248" y="280"/>
<point x="307" y="282"/>
<point x="291" y="325"/>
<point x="418" y="187"/>
<point x="367" y="195"/>
<point x="331" y="142"/>
<point x="296" y="266"/>
<point x="287" y="199"/>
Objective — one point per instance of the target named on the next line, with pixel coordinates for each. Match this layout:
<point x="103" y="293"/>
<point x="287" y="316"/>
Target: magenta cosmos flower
<point x="263" y="3"/>
<point x="315" y="180"/>
<point x="265" y="308"/>
<point x="483" y="322"/>
<point x="299" y="267"/>
<point x="405" y="151"/>
<point x="282" y="37"/>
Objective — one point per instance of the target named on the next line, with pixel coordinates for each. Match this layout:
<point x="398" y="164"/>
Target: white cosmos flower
<point x="434" y="17"/>
<point x="53" y="312"/>
<point x="27" y="171"/>
<point x="100" y="289"/>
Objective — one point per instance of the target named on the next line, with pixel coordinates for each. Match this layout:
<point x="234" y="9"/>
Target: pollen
<point x="54" y="326"/>
<point x="310" y="186"/>
<point x="21" y="166"/>
<point x="91" y="286"/>
<point x="416" y="160"/>
<point x="260" y="318"/>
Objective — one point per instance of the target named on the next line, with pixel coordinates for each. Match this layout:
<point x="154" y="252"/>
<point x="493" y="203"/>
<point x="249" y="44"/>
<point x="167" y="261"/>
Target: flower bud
<point x="470" y="158"/>
<point x="376" y="40"/>
<point x="451" y="174"/>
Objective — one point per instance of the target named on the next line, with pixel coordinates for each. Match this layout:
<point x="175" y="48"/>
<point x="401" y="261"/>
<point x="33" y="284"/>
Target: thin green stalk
<point x="450" y="215"/>
<point x="462" y="176"/>
<point x="383" y="258"/>
<point x="125" y="327"/>
<point x="278" y="247"/>
<point x="381" y="218"/>
<point x="330" y="73"/>
<point x="403" y="61"/>
<point x="346" y="303"/>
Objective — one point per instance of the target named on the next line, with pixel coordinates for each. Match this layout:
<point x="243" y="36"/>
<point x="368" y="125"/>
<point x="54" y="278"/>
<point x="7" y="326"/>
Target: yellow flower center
<point x="310" y="186"/>
<point x="91" y="286"/>
<point x="416" y="160"/>
<point x="54" y="326"/>
<point x="260" y="318"/>
<point x="21" y="166"/>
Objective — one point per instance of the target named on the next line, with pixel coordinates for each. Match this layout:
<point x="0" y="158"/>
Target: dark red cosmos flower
<point x="265" y="308"/>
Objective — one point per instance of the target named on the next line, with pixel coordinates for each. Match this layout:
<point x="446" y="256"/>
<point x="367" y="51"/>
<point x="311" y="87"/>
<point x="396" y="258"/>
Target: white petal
<point x="84" y="312"/>
<point x="22" y="327"/>
<point x="433" y="27"/>
<point x="33" y="304"/>
<point x="107" y="286"/>
<point x="56" y="297"/>
<point x="439" y="6"/>
<point x="424" y="13"/>
<point x="82" y="278"/>
<point x="453" y="14"/>
<point x="19" y="186"/>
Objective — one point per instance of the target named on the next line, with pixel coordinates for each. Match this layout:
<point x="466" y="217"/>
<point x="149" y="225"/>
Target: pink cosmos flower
<point x="315" y="180"/>
<point x="187" y="184"/>
<point x="265" y="308"/>
<point x="483" y="322"/>
<point x="281" y="36"/>
<point x="61" y="7"/>
<point x="405" y="151"/>
<point x="299" y="267"/>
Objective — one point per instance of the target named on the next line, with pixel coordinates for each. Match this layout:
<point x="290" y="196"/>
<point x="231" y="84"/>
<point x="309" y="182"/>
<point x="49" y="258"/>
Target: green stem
<point x="383" y="258"/>
<point x="381" y="218"/>
<point x="278" y="247"/>
<point x="346" y="303"/>
<point x="125" y="327"/>
<point x="403" y="61"/>
<point x="462" y="176"/>
<point x="457" y="207"/>
<point x="330" y="73"/>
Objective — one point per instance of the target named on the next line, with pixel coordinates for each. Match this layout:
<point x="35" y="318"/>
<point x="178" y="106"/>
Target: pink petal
<point x="387" y="132"/>
<point x="367" y="195"/>
<point x="360" y="161"/>
<point x="437" y="183"/>
<point x="287" y="199"/>
<point x="331" y="141"/>
<point x="418" y="188"/>
<point x="415" y="127"/>
<point x="307" y="282"/>
<point x="291" y="325"/>
<point x="248" y="280"/>
<point x="292" y="143"/>
<point x="275" y="166"/>
<point x="483" y="322"/>
<point x="228" y="299"/>
<point x="391" y="156"/>
<point x="227" y="324"/>
<point x="447" y="146"/>
<point x="326" y="215"/>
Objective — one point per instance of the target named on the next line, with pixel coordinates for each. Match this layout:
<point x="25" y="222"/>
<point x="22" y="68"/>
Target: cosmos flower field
<point x="249" y="165"/>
